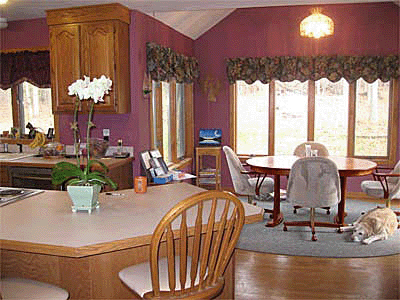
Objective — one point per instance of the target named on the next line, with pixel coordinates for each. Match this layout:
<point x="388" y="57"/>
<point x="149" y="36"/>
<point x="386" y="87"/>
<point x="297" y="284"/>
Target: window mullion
<point x="16" y="102"/>
<point x="159" y="128"/>
<point x="351" y="119"/>
<point x="189" y="120"/>
<point x="271" y="123"/>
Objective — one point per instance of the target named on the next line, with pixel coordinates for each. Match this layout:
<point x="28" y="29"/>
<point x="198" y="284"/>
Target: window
<point x="357" y="119"/>
<point x="172" y="120"/>
<point x="26" y="103"/>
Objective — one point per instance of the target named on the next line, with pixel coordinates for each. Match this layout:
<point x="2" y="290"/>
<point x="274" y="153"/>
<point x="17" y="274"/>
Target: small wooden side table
<point x="205" y="175"/>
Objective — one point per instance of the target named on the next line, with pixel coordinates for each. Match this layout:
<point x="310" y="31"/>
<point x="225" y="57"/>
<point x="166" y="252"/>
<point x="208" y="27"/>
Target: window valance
<point x="302" y="68"/>
<point x="164" y="64"/>
<point x="25" y="65"/>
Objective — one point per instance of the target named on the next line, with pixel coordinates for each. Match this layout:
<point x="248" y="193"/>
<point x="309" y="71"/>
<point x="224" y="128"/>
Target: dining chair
<point x="385" y="184"/>
<point x="313" y="182"/>
<point x="300" y="151"/>
<point x="243" y="183"/>
<point x="27" y="289"/>
<point x="190" y="249"/>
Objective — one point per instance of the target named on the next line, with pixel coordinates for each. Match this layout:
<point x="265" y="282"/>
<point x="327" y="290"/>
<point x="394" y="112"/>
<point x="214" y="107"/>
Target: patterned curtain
<point x="164" y="64"/>
<point x="289" y="68"/>
<point x="25" y="65"/>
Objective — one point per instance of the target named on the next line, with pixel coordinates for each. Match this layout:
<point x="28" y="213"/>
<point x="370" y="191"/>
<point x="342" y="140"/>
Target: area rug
<point x="297" y="240"/>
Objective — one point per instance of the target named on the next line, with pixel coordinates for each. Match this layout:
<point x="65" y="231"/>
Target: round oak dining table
<point x="280" y="165"/>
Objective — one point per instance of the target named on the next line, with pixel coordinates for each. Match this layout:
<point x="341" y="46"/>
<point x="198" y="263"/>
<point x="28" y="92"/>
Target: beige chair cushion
<point x="243" y="183"/>
<point x="138" y="277"/>
<point x="314" y="182"/>
<point x="26" y="289"/>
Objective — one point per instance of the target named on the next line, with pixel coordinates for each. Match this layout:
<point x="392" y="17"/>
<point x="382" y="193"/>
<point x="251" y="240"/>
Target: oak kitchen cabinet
<point x="35" y="172"/>
<point x="91" y="41"/>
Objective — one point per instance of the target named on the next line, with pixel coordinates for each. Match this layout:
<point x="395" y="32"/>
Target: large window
<point x="172" y="120"/>
<point x="357" y="119"/>
<point x="26" y="103"/>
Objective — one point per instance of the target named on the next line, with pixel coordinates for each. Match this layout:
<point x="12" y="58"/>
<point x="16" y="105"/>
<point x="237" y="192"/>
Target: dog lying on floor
<point x="376" y="224"/>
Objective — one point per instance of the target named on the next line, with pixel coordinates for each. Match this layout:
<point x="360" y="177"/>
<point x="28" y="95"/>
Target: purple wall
<point x="25" y="34"/>
<point x="360" y="29"/>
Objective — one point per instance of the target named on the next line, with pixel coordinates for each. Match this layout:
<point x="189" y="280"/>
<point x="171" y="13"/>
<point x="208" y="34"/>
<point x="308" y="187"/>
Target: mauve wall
<point x="360" y="29"/>
<point x="25" y="34"/>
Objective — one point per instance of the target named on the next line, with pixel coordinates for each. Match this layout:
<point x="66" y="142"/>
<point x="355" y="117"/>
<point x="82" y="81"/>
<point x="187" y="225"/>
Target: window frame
<point x="392" y="130"/>
<point x="176" y="162"/>
<point x="16" y="94"/>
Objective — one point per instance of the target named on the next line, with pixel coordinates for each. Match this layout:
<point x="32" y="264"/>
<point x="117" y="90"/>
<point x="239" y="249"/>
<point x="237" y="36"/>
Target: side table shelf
<point x="208" y="169"/>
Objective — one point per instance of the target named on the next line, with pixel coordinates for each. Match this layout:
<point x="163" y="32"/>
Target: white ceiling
<point x="190" y="17"/>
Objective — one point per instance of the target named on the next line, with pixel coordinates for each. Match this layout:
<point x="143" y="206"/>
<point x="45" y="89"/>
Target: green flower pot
<point x="84" y="197"/>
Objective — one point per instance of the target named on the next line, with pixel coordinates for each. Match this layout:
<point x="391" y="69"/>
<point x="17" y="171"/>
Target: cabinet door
<point x="65" y="64"/>
<point x="98" y="57"/>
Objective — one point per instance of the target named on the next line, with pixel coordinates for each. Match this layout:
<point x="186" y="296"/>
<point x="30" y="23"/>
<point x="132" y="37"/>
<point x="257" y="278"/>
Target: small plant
<point x="72" y="174"/>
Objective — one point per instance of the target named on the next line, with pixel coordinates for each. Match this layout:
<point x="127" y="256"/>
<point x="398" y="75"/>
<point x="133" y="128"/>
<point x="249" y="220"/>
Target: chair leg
<point x="312" y="221"/>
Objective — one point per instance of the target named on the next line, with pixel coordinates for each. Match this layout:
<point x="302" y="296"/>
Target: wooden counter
<point x="42" y="239"/>
<point x="120" y="170"/>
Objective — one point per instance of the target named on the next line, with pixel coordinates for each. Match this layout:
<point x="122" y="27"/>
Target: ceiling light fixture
<point x="316" y="25"/>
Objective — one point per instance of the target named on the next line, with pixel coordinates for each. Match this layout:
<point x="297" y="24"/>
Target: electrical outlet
<point x="106" y="132"/>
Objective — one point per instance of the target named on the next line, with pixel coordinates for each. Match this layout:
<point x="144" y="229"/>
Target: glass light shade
<point x="316" y="25"/>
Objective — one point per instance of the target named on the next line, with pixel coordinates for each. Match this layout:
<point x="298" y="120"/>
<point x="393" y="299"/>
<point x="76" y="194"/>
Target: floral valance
<point x="302" y="68"/>
<point x="164" y="64"/>
<point x="25" y="65"/>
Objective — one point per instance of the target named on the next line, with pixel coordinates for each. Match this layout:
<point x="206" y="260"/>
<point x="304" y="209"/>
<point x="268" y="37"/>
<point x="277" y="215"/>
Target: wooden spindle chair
<point x="199" y="235"/>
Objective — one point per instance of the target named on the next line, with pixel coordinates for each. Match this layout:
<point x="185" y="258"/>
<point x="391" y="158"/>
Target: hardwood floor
<point x="269" y="276"/>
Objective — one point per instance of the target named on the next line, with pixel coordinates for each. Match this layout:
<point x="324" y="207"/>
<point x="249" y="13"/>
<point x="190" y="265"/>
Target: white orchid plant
<point x="70" y="174"/>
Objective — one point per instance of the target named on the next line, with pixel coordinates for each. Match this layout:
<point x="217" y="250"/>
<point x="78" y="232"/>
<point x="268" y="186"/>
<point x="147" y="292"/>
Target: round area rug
<point x="297" y="240"/>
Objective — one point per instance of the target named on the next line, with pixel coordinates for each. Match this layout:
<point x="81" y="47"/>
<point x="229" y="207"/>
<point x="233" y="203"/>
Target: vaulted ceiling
<point x="190" y="17"/>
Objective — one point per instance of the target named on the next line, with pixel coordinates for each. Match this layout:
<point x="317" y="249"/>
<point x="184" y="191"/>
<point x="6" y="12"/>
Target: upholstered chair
<point x="243" y="183"/>
<point x="300" y="150"/>
<point x="386" y="184"/>
<point x="27" y="289"/>
<point x="190" y="249"/>
<point x="313" y="182"/>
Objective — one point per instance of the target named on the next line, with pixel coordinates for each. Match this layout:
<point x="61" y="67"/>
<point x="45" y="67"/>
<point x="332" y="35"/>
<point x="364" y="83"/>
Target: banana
<point x="38" y="141"/>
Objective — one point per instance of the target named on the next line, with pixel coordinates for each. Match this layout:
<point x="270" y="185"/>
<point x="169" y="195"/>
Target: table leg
<point x="277" y="216"/>
<point x="339" y="219"/>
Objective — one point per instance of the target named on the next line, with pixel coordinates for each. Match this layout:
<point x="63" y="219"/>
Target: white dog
<point x="377" y="224"/>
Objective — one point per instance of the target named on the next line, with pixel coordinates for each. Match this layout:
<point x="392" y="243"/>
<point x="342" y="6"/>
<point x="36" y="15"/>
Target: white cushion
<point x="138" y="277"/>
<point x="26" y="289"/>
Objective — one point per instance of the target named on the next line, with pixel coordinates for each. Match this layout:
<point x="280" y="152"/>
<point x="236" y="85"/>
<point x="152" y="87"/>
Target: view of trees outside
<point x="37" y="107"/>
<point x="331" y="115"/>
<point x="252" y="118"/>
<point x="166" y="127"/>
<point x="291" y="113"/>
<point x="180" y="120"/>
<point x="372" y="117"/>
<point x="6" y="121"/>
